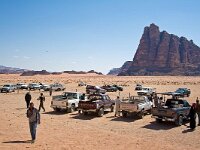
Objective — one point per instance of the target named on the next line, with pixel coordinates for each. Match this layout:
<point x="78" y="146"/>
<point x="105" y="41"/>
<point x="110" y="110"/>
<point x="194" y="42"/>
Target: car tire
<point x="85" y="113"/>
<point x="100" y="112"/>
<point x="158" y="120"/>
<point x="57" y="109"/>
<point x="72" y="108"/>
<point x="124" y="114"/>
<point x="179" y="121"/>
<point x="141" y="115"/>
<point x="112" y="108"/>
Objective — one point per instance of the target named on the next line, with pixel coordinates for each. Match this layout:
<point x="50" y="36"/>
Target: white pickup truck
<point x="149" y="91"/>
<point x="137" y="105"/>
<point x="67" y="101"/>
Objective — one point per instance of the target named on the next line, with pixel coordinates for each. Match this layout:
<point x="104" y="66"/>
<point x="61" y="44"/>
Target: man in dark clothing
<point x="50" y="91"/>
<point x="34" y="119"/>
<point x="41" y="99"/>
<point x="27" y="99"/>
<point x="192" y="116"/>
<point x="198" y="110"/>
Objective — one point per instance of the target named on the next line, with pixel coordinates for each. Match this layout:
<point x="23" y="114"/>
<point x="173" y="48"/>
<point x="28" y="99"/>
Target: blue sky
<point x="59" y="35"/>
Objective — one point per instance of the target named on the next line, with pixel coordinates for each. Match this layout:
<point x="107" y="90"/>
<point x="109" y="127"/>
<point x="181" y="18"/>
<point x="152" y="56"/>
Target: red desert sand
<point x="63" y="130"/>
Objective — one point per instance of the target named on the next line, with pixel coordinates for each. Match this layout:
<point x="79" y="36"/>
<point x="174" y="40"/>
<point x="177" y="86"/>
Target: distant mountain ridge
<point x="11" y="70"/>
<point x="26" y="72"/>
<point x="161" y="53"/>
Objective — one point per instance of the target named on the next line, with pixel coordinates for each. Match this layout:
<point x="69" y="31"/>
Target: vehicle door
<point x="147" y="104"/>
<point x="107" y="101"/>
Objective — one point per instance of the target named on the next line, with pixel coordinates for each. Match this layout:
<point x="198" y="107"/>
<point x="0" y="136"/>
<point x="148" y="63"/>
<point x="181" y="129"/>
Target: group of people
<point x="33" y="114"/>
<point x="194" y="112"/>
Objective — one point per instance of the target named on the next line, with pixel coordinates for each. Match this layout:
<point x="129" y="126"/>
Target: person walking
<point x="27" y="99"/>
<point x="117" y="106"/>
<point x="198" y="110"/>
<point x="34" y="119"/>
<point x="41" y="99"/>
<point x="192" y="116"/>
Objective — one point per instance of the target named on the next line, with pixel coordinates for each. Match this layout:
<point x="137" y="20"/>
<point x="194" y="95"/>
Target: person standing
<point x="50" y="91"/>
<point x="192" y="116"/>
<point x="27" y="99"/>
<point x="198" y="110"/>
<point x="41" y="99"/>
<point x="117" y="106"/>
<point x="34" y="119"/>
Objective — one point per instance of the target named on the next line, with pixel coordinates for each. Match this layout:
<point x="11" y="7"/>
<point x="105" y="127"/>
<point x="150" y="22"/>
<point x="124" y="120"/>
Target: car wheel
<point x="158" y="120"/>
<point x="72" y="109"/>
<point x="112" y="108"/>
<point x="100" y="113"/>
<point x="179" y="121"/>
<point x="57" y="109"/>
<point x="141" y="115"/>
<point x="85" y="113"/>
<point x="124" y="114"/>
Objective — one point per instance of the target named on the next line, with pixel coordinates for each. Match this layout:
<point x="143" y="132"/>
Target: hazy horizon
<point x="86" y="35"/>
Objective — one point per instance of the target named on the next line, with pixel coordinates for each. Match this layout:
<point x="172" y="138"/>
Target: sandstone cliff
<point x="161" y="53"/>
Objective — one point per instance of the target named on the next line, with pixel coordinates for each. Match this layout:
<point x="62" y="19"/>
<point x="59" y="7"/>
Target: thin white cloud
<point x="26" y="57"/>
<point x="74" y="62"/>
<point x="90" y="57"/>
<point x="17" y="50"/>
<point x="16" y="56"/>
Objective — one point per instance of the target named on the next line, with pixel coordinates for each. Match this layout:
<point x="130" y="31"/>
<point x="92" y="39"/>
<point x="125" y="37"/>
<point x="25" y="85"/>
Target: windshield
<point x="69" y="95"/>
<point x="137" y="100"/>
<point x="6" y="85"/>
<point x="174" y="103"/>
<point x="95" y="97"/>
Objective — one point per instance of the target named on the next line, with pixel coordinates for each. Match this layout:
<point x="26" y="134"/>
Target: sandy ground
<point x="73" y="131"/>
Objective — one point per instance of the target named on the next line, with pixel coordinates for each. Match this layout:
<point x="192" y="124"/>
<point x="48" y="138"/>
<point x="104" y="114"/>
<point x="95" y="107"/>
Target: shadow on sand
<point x="55" y="113"/>
<point x="84" y="117"/>
<point x="18" y="142"/>
<point x="160" y="126"/>
<point x="124" y="119"/>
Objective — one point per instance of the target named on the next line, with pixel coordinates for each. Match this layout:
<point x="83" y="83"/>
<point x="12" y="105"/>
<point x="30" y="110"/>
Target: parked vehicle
<point x="136" y="105"/>
<point x="94" y="89"/>
<point x="147" y="91"/>
<point x="175" y="110"/>
<point x="109" y="88"/>
<point x="34" y="86"/>
<point x="55" y="87"/>
<point x="81" y="83"/>
<point x="183" y="92"/>
<point x="24" y="86"/>
<point x="67" y="101"/>
<point x="138" y="87"/>
<point x="44" y="86"/>
<point x="120" y="88"/>
<point x="97" y="103"/>
<point x="8" y="88"/>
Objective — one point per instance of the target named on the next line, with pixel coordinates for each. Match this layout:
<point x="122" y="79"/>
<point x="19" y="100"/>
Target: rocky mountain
<point x="11" y="70"/>
<point x="82" y="72"/>
<point x="32" y="73"/>
<point x="124" y="68"/>
<point x="161" y="53"/>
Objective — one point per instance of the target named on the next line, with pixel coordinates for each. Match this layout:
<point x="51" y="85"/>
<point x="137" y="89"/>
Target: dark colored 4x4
<point x="109" y="88"/>
<point x="97" y="103"/>
<point x="94" y="89"/>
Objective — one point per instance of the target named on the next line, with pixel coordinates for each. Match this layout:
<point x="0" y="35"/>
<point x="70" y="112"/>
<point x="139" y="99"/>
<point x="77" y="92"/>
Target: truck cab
<point x="67" y="101"/>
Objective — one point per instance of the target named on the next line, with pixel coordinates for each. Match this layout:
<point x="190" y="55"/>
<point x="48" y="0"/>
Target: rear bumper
<point x="60" y="107"/>
<point x="87" y="110"/>
<point x="164" y="118"/>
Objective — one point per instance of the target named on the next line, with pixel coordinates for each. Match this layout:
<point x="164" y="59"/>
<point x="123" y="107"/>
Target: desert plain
<point x="71" y="131"/>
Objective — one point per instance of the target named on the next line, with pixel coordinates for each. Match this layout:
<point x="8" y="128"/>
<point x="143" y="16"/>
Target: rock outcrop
<point x="161" y="53"/>
<point x="32" y="73"/>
